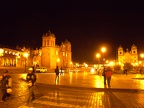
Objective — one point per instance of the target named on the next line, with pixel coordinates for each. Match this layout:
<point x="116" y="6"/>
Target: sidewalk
<point x="79" y="90"/>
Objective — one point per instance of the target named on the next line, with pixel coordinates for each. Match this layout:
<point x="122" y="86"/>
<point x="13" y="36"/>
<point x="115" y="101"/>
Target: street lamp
<point x="142" y="56"/>
<point x="103" y="50"/>
<point x="26" y="56"/>
<point x="58" y="60"/>
<point x="98" y="57"/>
<point x="1" y="54"/>
<point x="71" y="63"/>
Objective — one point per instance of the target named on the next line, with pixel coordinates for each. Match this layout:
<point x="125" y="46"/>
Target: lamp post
<point x="103" y="50"/>
<point x="98" y="57"/>
<point x="142" y="56"/>
<point x="58" y="60"/>
<point x="71" y="63"/>
<point x="1" y="54"/>
<point x="26" y="56"/>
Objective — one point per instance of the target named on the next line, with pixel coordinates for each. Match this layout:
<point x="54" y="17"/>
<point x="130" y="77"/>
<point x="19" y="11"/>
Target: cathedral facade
<point x="127" y="56"/>
<point x="51" y="55"/>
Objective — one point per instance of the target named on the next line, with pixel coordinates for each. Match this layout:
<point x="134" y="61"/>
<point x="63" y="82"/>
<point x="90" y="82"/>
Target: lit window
<point x="56" y="52"/>
<point x="63" y="53"/>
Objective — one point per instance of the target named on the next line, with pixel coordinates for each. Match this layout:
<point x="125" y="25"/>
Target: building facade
<point x="14" y="57"/>
<point x="51" y="55"/>
<point x="128" y="56"/>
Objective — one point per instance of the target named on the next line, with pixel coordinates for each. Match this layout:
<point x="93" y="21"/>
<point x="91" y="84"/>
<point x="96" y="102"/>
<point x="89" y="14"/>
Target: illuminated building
<point x="51" y="55"/>
<point x="14" y="57"/>
<point x="127" y="56"/>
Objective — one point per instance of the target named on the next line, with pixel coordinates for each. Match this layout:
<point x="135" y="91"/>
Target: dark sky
<point x="87" y="24"/>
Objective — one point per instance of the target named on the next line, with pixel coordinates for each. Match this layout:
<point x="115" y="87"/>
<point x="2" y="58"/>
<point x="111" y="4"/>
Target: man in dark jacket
<point x="57" y="74"/>
<point x="6" y="82"/>
<point x="104" y="76"/>
<point x="108" y="74"/>
<point x="31" y="79"/>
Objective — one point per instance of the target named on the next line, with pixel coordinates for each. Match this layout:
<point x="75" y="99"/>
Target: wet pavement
<point x="78" y="90"/>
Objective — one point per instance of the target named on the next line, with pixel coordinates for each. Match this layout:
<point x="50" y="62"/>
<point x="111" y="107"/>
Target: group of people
<point x="6" y="82"/>
<point x="107" y="73"/>
<point x="6" y="85"/>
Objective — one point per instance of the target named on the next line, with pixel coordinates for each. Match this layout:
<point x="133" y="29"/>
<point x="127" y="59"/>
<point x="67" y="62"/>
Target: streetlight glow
<point x="26" y="55"/>
<point x="142" y="56"/>
<point x="98" y="55"/>
<point x="103" y="49"/>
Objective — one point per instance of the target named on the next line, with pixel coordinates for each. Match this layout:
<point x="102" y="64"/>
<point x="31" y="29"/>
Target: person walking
<point x="31" y="79"/>
<point x="108" y="74"/>
<point x="104" y="76"/>
<point x="141" y="70"/>
<point x="125" y="71"/>
<point x="57" y="74"/>
<point x="6" y="83"/>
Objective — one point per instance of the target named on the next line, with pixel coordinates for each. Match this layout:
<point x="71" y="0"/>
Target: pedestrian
<point x="57" y="74"/>
<point x="104" y="76"/>
<point x="6" y="83"/>
<point x="125" y="70"/>
<point x="141" y="71"/>
<point x="31" y="79"/>
<point x="108" y="74"/>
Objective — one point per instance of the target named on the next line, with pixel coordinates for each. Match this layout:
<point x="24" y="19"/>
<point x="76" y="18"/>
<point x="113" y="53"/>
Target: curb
<point x="93" y="89"/>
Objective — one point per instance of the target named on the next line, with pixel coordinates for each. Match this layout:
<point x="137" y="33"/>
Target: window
<point x="47" y="42"/>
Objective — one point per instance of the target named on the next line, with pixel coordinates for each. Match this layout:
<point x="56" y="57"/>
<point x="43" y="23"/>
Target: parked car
<point x="41" y="69"/>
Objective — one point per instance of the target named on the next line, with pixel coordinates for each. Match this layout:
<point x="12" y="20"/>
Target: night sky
<point x="87" y="24"/>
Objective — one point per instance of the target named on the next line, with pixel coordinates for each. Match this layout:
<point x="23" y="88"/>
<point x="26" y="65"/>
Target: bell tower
<point x="48" y="50"/>
<point x="134" y="54"/>
<point x="120" y="54"/>
<point x="133" y="49"/>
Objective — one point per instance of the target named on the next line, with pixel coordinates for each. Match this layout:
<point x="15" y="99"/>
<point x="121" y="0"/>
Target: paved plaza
<point x="78" y="90"/>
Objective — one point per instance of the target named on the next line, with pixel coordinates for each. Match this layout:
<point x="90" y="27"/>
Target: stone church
<point x="51" y="55"/>
<point x="127" y="56"/>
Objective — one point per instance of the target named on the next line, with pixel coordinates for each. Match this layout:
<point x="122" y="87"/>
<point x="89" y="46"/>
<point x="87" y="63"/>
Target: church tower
<point x="120" y="54"/>
<point x="134" y="53"/>
<point x="66" y="55"/>
<point x="48" y="50"/>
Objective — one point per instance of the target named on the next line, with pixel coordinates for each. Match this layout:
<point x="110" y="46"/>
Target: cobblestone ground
<point x="65" y="96"/>
<point x="48" y="96"/>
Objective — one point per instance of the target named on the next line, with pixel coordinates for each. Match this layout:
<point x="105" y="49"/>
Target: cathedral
<point x="127" y="56"/>
<point x="51" y="55"/>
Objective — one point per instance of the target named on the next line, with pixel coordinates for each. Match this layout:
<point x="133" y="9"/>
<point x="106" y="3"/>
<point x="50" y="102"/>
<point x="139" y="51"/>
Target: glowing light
<point x="92" y="70"/>
<point x="58" y="60"/>
<point x="103" y="49"/>
<point x="111" y="63"/>
<point x="26" y="55"/>
<point x="98" y="55"/>
<point x="1" y="52"/>
<point x="142" y="55"/>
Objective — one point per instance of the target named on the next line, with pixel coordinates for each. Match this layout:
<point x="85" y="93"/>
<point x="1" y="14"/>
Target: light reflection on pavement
<point x="86" y="79"/>
<point x="74" y="95"/>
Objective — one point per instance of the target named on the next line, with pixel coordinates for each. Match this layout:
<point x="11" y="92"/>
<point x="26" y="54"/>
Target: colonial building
<point x="128" y="56"/>
<point x="51" y="55"/>
<point x="14" y="57"/>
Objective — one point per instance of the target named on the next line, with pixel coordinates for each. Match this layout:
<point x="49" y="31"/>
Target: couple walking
<point x="107" y="73"/>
